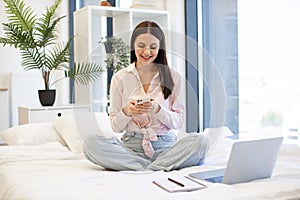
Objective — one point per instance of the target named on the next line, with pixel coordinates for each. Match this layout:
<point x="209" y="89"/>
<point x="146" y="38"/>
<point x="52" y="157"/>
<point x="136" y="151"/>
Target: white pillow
<point x="75" y="128"/>
<point x="66" y="127"/>
<point x="31" y="134"/>
<point x="103" y="122"/>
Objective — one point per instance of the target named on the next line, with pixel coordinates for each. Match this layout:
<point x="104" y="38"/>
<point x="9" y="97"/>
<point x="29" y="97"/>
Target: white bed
<point x="46" y="167"/>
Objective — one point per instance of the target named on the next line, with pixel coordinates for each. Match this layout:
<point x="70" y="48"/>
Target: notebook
<point x="248" y="161"/>
<point x="178" y="184"/>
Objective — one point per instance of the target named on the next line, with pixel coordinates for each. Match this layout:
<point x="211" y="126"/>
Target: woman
<point x="148" y="142"/>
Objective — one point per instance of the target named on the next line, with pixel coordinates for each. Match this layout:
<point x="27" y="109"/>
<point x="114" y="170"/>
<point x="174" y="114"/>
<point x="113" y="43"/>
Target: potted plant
<point x="36" y="38"/>
<point x="117" y="56"/>
<point x="118" y="53"/>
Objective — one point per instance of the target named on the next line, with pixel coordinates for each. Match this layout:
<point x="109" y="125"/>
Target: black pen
<point x="176" y="182"/>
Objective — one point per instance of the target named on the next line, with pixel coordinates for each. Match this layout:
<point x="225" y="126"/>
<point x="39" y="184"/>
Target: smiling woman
<point x="146" y="49"/>
<point x="149" y="141"/>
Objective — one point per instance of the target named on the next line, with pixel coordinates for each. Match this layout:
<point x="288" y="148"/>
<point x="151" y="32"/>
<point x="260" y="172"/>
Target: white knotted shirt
<point x="126" y="84"/>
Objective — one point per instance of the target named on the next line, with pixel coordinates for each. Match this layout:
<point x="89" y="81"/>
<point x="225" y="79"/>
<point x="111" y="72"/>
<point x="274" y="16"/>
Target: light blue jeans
<point x="128" y="154"/>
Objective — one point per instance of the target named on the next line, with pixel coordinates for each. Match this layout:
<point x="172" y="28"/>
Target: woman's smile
<point x="146" y="49"/>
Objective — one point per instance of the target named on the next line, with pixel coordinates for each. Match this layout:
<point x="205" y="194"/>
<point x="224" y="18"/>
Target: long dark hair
<point x="166" y="79"/>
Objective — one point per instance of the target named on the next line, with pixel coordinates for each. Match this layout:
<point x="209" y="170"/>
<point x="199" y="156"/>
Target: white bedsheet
<point x="50" y="171"/>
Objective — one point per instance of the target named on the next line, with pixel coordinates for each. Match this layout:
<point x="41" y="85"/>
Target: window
<point x="220" y="64"/>
<point x="269" y="75"/>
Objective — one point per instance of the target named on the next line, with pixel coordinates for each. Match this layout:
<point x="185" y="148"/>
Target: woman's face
<point x="146" y="48"/>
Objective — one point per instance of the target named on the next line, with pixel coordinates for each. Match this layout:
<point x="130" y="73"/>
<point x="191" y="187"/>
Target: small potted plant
<point x="118" y="53"/>
<point x="36" y="38"/>
<point x="117" y="56"/>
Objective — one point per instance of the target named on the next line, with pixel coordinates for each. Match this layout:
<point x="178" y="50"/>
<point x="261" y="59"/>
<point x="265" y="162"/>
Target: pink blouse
<point x="126" y="84"/>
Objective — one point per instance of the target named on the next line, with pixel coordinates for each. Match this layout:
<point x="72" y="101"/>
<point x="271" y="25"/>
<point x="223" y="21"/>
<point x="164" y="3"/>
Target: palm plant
<point x="36" y="39"/>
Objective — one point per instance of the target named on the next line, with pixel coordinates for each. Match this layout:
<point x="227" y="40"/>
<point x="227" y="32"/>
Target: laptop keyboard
<point x="215" y="179"/>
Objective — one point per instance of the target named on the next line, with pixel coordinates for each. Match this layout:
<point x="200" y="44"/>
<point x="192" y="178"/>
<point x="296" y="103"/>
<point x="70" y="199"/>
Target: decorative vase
<point x="105" y="3"/>
<point x="47" y="97"/>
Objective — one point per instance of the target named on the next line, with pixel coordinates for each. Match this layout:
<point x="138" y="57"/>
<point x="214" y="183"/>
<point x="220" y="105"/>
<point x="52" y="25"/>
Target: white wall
<point x="10" y="57"/>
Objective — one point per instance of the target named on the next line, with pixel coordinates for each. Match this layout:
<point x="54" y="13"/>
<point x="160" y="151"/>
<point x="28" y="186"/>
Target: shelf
<point x="115" y="11"/>
<point x="55" y="107"/>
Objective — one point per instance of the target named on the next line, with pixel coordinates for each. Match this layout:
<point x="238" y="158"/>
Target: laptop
<point x="248" y="161"/>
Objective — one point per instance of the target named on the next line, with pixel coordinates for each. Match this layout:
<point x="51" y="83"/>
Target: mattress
<point x="52" y="171"/>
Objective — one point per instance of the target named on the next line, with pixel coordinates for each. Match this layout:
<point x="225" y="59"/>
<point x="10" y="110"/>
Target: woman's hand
<point x="136" y="109"/>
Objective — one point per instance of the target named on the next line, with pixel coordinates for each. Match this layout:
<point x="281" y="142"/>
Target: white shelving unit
<point x="90" y="27"/>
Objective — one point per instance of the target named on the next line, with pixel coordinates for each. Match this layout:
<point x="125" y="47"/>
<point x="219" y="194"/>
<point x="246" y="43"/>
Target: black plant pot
<point x="47" y="97"/>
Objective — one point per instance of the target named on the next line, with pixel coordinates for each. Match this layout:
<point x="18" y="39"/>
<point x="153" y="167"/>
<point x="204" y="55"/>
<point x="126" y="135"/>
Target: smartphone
<point x="142" y="100"/>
